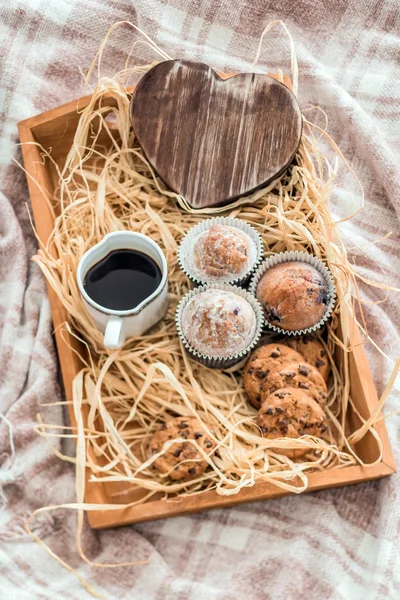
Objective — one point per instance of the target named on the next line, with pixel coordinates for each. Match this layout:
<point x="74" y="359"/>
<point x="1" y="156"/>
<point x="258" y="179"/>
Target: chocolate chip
<point x="323" y="395"/>
<point x="280" y="395"/>
<point x="260" y="374"/>
<point x="236" y="311"/>
<point x="279" y="410"/>
<point x="284" y="429"/>
<point x="183" y="425"/>
<point x="290" y="374"/>
<point x="303" y="370"/>
<point x="250" y="371"/>
<point x="185" y="434"/>
<point x="198" y="435"/>
<point x="303" y="385"/>
<point x="324" y="428"/>
<point x="323" y="352"/>
<point x="177" y="452"/>
<point x="271" y="314"/>
<point x="163" y="426"/>
<point x="263" y="429"/>
<point x="192" y="471"/>
<point x="283" y="422"/>
<point x="323" y="296"/>
<point x="208" y="444"/>
<point x="275" y="354"/>
<point x="269" y="411"/>
<point x="319" y="362"/>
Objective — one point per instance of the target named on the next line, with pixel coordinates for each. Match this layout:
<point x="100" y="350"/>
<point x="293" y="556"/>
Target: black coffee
<point x="122" y="279"/>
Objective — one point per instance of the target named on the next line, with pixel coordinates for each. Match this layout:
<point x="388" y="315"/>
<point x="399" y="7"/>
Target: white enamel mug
<point x="118" y="325"/>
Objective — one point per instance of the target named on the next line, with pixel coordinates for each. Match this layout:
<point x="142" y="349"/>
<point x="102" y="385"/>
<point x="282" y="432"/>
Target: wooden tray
<point x="55" y="130"/>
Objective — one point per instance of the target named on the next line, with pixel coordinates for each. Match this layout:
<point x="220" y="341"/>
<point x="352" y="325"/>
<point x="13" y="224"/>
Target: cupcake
<point x="220" y="250"/>
<point x="216" y="321"/>
<point x="296" y="295"/>
<point x="219" y="325"/>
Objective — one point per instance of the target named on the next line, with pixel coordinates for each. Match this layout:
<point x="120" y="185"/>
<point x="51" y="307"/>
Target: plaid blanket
<point x="337" y="544"/>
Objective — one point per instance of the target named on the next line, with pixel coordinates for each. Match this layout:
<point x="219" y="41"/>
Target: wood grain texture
<point x="213" y="140"/>
<point x="56" y="129"/>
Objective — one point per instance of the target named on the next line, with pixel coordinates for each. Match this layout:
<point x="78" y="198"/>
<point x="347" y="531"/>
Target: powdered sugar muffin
<point x="217" y="252"/>
<point x="218" y="323"/>
<point x="222" y="251"/>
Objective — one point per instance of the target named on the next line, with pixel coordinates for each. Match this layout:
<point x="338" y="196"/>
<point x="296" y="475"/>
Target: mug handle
<point x="113" y="336"/>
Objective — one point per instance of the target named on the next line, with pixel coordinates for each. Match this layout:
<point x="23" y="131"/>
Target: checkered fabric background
<point x="333" y="545"/>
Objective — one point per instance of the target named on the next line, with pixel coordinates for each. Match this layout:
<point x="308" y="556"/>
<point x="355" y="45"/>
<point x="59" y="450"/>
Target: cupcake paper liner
<point x="221" y="362"/>
<point x="187" y="244"/>
<point x="296" y="257"/>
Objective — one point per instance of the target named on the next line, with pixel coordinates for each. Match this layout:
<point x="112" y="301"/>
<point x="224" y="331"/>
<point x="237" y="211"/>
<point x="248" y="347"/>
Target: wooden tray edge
<point x="209" y="500"/>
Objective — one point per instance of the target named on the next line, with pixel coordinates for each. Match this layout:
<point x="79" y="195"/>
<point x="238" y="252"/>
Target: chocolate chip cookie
<point x="289" y="412"/>
<point x="259" y="365"/>
<point x="182" y="460"/>
<point x="313" y="352"/>
<point x="297" y="375"/>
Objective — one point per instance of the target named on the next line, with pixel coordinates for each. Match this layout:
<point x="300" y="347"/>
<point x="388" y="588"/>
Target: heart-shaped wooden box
<point x="211" y="139"/>
<point x="56" y="129"/>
